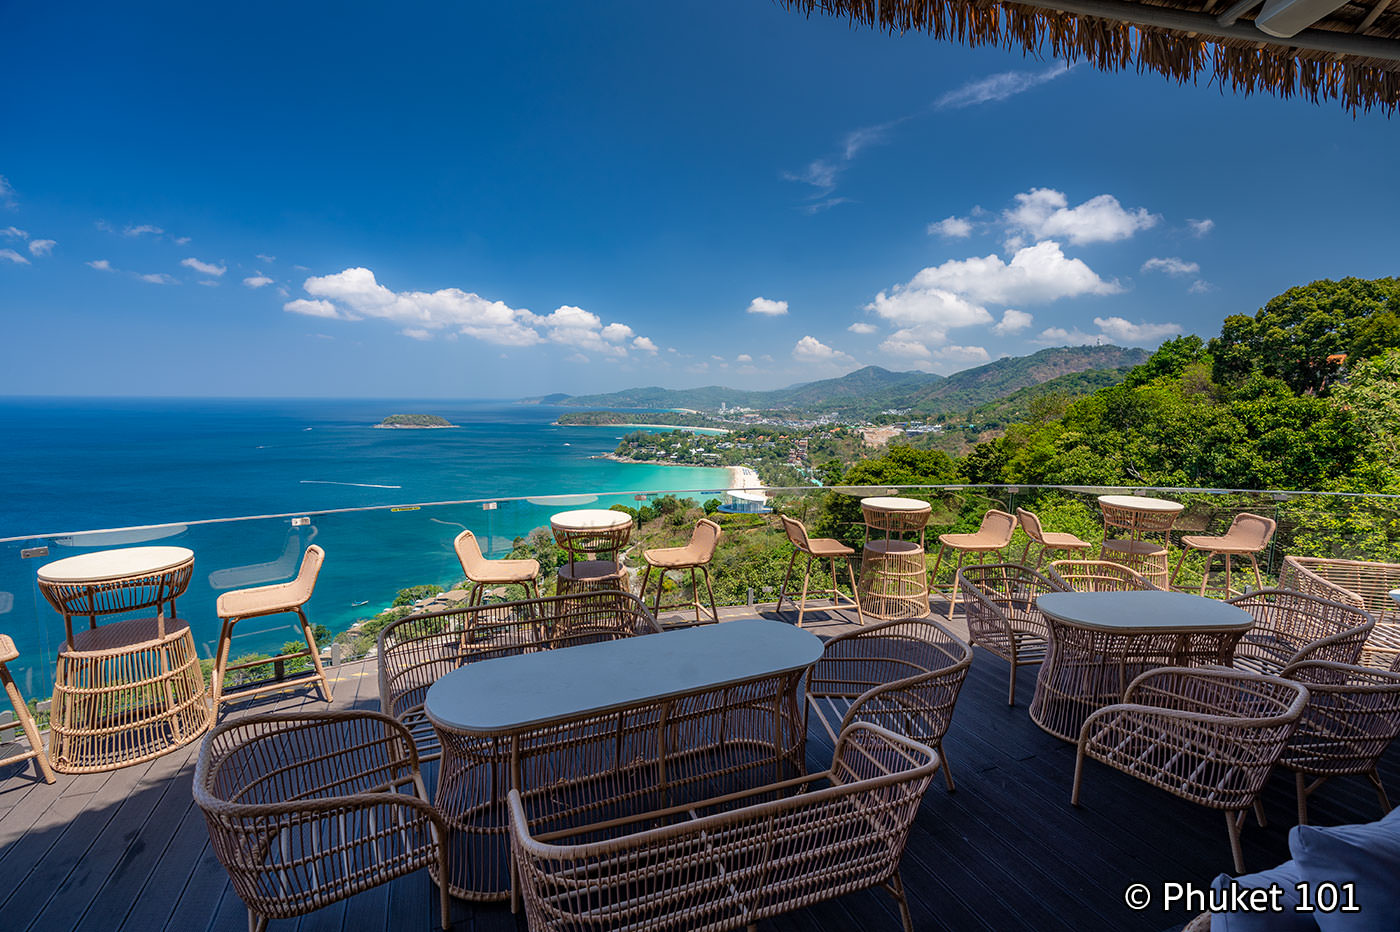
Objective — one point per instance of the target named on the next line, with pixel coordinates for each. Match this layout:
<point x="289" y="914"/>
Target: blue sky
<point x="497" y="200"/>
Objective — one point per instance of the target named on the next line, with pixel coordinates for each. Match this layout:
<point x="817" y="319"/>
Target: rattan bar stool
<point x="991" y="538"/>
<point x="695" y="555"/>
<point x="819" y="548"/>
<point x="8" y="652"/>
<point x="1049" y="541"/>
<point x="131" y="690"/>
<point x="288" y="597"/>
<point x="1248" y="534"/>
<point x="483" y="572"/>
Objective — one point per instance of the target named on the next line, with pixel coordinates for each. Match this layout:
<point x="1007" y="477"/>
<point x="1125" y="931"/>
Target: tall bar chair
<point x="1049" y="541"/>
<point x="991" y="538"/>
<point x="819" y="548"/>
<point x="483" y="572"/>
<point x="1247" y="536"/>
<point x="695" y="555"/>
<point x="241" y="604"/>
<point x="9" y="652"/>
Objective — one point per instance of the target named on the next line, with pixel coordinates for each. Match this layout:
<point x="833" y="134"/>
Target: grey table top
<point x="1143" y="611"/>
<point x="511" y="694"/>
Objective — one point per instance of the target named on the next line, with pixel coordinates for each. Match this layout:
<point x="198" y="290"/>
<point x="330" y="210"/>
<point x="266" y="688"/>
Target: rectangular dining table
<point x="597" y="731"/>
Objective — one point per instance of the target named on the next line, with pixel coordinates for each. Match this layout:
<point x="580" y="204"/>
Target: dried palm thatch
<point x="1352" y="55"/>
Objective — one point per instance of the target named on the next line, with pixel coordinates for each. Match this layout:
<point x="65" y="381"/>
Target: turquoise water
<point x="81" y="464"/>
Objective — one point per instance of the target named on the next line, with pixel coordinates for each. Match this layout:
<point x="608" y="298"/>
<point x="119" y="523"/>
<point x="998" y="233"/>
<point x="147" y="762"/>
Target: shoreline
<point x="707" y="430"/>
<point x="740" y="477"/>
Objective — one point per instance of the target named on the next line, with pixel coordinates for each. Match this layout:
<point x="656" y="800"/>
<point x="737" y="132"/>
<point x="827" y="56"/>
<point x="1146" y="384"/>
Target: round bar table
<point x="593" y="538"/>
<point x="1139" y="515"/>
<point x="1099" y="641"/>
<point x="131" y="690"/>
<point x="893" y="570"/>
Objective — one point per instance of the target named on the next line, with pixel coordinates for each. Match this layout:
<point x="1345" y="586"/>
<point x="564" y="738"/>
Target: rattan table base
<point x="893" y="580"/>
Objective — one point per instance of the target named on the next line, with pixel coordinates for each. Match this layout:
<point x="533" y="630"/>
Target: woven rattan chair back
<point x="796" y="534"/>
<point x="999" y="602"/>
<point x="1292" y="626"/>
<point x="902" y="675"/>
<point x="1250" y="532"/>
<point x="416" y="651"/>
<point x="1364" y="584"/>
<point x="1353" y="715"/>
<point x="1208" y="735"/>
<point x="1096" y="576"/>
<point x="733" y="862"/>
<point x="307" y="810"/>
<point x="474" y="564"/>
<point x="1030" y="523"/>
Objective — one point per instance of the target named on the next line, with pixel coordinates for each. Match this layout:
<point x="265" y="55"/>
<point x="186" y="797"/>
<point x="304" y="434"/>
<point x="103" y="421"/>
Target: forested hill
<point x="874" y="389"/>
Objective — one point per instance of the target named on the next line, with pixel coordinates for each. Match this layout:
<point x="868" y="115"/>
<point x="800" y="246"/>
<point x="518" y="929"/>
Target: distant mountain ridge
<point x="873" y="389"/>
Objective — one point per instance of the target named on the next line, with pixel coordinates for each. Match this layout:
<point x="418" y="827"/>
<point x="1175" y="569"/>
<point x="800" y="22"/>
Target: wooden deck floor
<point x="128" y="850"/>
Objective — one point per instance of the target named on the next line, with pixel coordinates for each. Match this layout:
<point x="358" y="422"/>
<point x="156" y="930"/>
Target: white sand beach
<point x="742" y="477"/>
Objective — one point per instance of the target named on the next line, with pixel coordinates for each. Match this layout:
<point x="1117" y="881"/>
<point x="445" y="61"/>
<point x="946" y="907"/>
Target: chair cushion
<point x="827" y="547"/>
<point x="1287" y="875"/>
<point x="1367" y="855"/>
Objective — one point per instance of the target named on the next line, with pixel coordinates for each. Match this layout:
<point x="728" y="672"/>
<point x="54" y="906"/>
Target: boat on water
<point x="358" y="604"/>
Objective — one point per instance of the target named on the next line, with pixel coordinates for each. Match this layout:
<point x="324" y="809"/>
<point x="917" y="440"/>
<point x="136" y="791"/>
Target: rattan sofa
<point x="730" y="861"/>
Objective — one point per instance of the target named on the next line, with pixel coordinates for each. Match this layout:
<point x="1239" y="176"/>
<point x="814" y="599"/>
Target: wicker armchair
<point x="1290" y="627"/>
<point x="1358" y="583"/>
<point x="307" y="810"/>
<point x="414" y="652"/>
<point x="731" y="861"/>
<point x="1096" y="576"/>
<point x="1352" y="717"/>
<point x="901" y="675"/>
<point x="999" y="602"/>
<point x="1208" y="735"/>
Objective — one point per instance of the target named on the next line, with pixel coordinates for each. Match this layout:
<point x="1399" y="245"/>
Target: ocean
<point x="84" y="464"/>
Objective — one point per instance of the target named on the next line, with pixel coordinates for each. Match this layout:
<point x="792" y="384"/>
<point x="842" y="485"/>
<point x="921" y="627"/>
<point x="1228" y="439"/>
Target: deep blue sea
<point x="73" y="465"/>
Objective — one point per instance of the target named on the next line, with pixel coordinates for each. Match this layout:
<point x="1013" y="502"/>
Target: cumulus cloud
<point x="1012" y="321"/>
<point x="41" y="247"/>
<point x="1201" y="227"/>
<point x="102" y="265"/>
<point x="955" y="353"/>
<point x="1061" y="336"/>
<point x="315" y="308"/>
<point x="1044" y="213"/>
<point x="157" y="278"/>
<point x="743" y="359"/>
<point x="766" y="307"/>
<point x="951" y="228"/>
<point x="257" y="281"/>
<point x="1035" y="274"/>
<point x="1123" y="331"/>
<point x="861" y="328"/>
<point x="1171" y="265"/>
<point x="204" y="268"/>
<point x="1200" y="286"/>
<point x="142" y="230"/>
<point x="810" y="349"/>
<point x="12" y="256"/>
<point x="14" y="233"/>
<point x="355" y="294"/>
<point x="416" y="333"/>
<point x="998" y="87"/>
<point x="926" y="313"/>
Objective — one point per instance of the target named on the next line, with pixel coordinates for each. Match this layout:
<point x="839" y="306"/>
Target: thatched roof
<point x="1351" y="55"/>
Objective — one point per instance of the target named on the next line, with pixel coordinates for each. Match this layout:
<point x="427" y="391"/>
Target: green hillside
<point x="971" y="388"/>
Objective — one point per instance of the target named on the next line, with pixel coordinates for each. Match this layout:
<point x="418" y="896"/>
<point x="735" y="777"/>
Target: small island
<point x="415" y="422"/>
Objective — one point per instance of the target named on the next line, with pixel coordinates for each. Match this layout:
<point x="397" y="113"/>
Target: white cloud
<point x="644" y="344"/>
<point x="13" y="256"/>
<point x="573" y="326"/>
<point x="616" y="333"/>
<point x="810" y="349"/>
<point x="1012" y="321"/>
<point x="955" y="353"/>
<point x="1044" y="213"/>
<point x="1200" y="286"/>
<point x="819" y="173"/>
<point x="951" y="228"/>
<point x="768" y="308"/>
<point x="830" y="202"/>
<point x="576" y="357"/>
<point x="898" y="344"/>
<point x="1036" y="274"/>
<point x="181" y="240"/>
<point x="862" y="328"/>
<point x="743" y="359"/>
<point x="313" y="308"/>
<point x="141" y="230"/>
<point x="102" y="265"/>
<point x="42" y="247"/>
<point x="204" y="268"/>
<point x="267" y="259"/>
<point x="1123" y="331"/>
<point x="417" y="333"/>
<point x="926" y="313"/>
<point x="998" y="87"/>
<point x="257" y="281"/>
<point x="14" y="233"/>
<point x="1061" y="336"/>
<point x="7" y="193"/>
<point x="209" y="282"/>
<point x="1171" y="265"/>
<point x="157" y="278"/>
<point x="1201" y="227"/>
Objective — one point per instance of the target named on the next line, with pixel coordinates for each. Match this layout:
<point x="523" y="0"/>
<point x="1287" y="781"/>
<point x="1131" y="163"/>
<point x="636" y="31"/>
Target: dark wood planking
<point x="1005" y="851"/>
